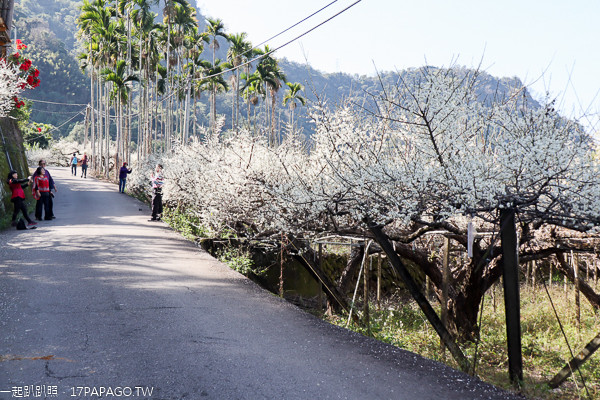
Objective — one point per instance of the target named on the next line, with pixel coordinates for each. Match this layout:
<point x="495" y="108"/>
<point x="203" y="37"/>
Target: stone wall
<point x="12" y="155"/>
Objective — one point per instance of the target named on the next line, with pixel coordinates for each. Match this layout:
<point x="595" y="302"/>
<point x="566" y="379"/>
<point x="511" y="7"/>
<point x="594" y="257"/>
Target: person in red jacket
<point x="18" y="196"/>
<point x="41" y="187"/>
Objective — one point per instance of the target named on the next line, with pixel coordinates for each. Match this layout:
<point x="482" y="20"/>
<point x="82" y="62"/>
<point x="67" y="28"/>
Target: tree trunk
<point x="586" y="290"/>
<point x="345" y="281"/>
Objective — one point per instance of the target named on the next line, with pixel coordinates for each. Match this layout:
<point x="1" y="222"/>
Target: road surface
<point x="102" y="303"/>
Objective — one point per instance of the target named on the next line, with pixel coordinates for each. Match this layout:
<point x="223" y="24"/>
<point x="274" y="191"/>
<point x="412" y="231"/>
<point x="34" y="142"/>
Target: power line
<point x="293" y="26"/>
<point x="283" y="45"/>
<point x="53" y="102"/>
<point x="56" y="112"/>
<point x="269" y="53"/>
<point x="66" y="122"/>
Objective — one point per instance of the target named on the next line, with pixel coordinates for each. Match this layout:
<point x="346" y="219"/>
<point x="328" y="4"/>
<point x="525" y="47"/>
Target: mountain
<point x="49" y="28"/>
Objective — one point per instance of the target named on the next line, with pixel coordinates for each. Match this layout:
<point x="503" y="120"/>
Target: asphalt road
<point x="101" y="303"/>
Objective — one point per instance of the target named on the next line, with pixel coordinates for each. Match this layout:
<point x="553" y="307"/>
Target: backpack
<point x="21" y="225"/>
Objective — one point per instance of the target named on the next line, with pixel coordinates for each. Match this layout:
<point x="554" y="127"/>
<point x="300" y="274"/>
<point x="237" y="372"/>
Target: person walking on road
<point x="84" y="165"/>
<point x="74" y="164"/>
<point x="41" y="186"/>
<point x="18" y="196"/>
<point x="158" y="180"/>
<point x="123" y="177"/>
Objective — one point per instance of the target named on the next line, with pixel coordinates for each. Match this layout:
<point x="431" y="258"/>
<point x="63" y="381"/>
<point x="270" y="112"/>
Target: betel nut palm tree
<point x="292" y="96"/>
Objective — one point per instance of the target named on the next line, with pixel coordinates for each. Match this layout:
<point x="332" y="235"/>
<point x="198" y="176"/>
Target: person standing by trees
<point x="74" y="164"/>
<point x="18" y="196"/>
<point x="157" y="183"/>
<point x="38" y="206"/>
<point x="123" y="177"/>
<point x="41" y="186"/>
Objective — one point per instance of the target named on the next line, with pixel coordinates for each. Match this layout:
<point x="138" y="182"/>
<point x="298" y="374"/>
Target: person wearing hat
<point x="18" y="196"/>
<point x="157" y="179"/>
<point x="123" y="177"/>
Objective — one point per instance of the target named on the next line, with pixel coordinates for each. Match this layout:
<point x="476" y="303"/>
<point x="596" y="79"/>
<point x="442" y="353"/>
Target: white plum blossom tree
<point x="426" y="154"/>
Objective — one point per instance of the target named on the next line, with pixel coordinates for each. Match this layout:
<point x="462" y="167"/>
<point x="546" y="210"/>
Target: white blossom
<point x="11" y="85"/>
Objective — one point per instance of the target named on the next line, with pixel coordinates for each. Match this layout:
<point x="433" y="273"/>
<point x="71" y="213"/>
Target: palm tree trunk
<point x="93" y="116"/>
<point x="100" y="127"/>
<point x="107" y="131"/>
<point x="186" y="125"/>
<point x="237" y="98"/>
<point x="119" y="134"/>
<point x="233" y="110"/>
<point x="273" y="98"/>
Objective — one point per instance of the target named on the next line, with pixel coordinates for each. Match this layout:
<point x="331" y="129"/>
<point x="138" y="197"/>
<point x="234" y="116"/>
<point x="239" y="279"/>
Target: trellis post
<point x="510" y="260"/>
<point x="421" y="300"/>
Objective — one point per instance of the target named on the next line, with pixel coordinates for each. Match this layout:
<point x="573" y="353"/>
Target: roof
<point x="6" y="18"/>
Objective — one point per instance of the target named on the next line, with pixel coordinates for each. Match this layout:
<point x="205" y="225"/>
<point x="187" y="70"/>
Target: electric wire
<point x="66" y="122"/>
<point x="281" y="46"/>
<point x="54" y="102"/>
<point x="291" y="27"/>
<point x="565" y="336"/>
<point x="175" y="91"/>
<point x="55" y="112"/>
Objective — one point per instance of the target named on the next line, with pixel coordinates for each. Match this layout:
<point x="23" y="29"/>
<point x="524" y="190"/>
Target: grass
<point x="237" y="259"/>
<point x="544" y="348"/>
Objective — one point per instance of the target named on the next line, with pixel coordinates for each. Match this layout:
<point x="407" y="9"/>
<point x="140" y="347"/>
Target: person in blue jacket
<point x="74" y="162"/>
<point x="123" y="177"/>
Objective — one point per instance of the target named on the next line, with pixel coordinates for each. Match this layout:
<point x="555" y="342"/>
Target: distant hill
<point x="49" y="27"/>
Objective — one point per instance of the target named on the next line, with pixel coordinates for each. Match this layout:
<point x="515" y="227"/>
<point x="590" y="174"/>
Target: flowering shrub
<point x="57" y="155"/>
<point x="27" y="70"/>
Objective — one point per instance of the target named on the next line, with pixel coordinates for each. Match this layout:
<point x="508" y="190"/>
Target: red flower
<point x="39" y="129"/>
<point x="36" y="73"/>
<point x="20" y="45"/>
<point x="26" y="65"/>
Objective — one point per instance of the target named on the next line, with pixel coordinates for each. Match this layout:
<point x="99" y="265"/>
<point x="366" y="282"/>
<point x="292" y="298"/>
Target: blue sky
<point x="553" y="46"/>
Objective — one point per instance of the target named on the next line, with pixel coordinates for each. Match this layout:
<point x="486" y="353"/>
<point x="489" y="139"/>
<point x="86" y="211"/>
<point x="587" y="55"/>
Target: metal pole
<point x="510" y="259"/>
<point x="366" y="316"/>
<point x="577" y="302"/>
<point x="379" y="282"/>
<point x="321" y="268"/>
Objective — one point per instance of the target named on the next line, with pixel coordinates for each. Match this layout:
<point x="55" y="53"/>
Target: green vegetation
<point x="187" y="225"/>
<point x="44" y="30"/>
<point x="12" y="144"/>
<point x="237" y="259"/>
